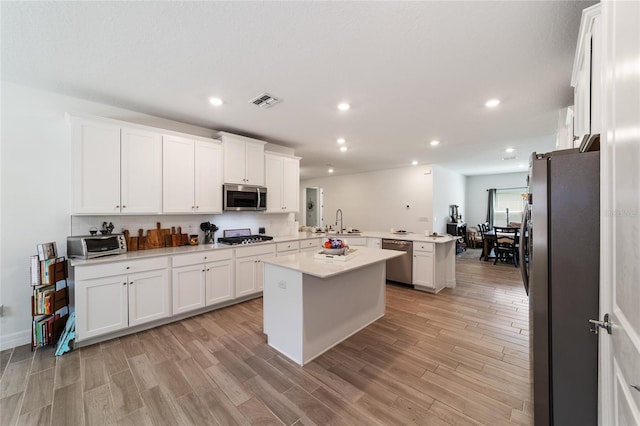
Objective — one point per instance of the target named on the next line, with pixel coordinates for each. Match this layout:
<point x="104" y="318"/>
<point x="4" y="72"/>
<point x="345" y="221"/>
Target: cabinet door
<point x="234" y="161"/>
<point x="188" y="288"/>
<point x="96" y="167"/>
<point x="254" y="163"/>
<point x="220" y="284"/>
<point x="149" y="295"/>
<point x="423" y="269"/>
<point x="259" y="271"/>
<point x="208" y="177"/>
<point x="290" y="184"/>
<point x="374" y="242"/>
<point x="245" y="276"/>
<point x="273" y="180"/>
<point x="357" y="241"/>
<point x="101" y="306"/>
<point x="141" y="171"/>
<point x="178" y="184"/>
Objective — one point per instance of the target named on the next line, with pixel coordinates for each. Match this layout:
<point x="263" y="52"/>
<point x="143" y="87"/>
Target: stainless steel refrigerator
<point x="560" y="255"/>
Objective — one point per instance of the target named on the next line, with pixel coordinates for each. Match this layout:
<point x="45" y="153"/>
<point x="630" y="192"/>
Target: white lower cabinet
<point x="310" y="245"/>
<point x="114" y="296"/>
<point x="202" y="279"/>
<point x="426" y="276"/>
<point x="356" y="241"/>
<point x="290" y="247"/>
<point x="374" y="242"/>
<point x="423" y="268"/>
<point x="250" y="269"/>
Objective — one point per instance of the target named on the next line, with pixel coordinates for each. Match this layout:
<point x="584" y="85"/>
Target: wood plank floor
<point x="459" y="357"/>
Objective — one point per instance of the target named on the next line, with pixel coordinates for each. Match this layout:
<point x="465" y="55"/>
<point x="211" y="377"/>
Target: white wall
<point x="377" y="201"/>
<point x="35" y="182"/>
<point x="476" y="204"/>
<point x="448" y="189"/>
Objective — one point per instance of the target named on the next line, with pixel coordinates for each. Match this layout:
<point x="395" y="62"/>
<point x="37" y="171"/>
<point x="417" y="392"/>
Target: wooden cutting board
<point x="184" y="238"/>
<point x="155" y="237"/>
<point x="168" y="238"/>
<point x="141" y="240"/>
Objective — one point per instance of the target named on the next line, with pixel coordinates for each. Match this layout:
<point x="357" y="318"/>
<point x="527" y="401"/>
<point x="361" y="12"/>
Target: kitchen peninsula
<point x="312" y="304"/>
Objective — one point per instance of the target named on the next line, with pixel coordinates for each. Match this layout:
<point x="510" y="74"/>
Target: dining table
<point x="490" y="239"/>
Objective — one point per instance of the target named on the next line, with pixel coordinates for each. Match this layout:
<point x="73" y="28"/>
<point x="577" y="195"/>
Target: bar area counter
<point x="311" y="305"/>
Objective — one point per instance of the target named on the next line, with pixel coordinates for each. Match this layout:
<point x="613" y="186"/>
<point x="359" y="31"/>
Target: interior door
<point x="619" y="388"/>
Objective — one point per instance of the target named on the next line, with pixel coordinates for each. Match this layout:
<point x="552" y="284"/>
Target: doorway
<point x="313" y="207"/>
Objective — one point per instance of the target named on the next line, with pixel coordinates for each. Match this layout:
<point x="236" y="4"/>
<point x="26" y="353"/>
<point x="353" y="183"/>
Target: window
<point x="512" y="200"/>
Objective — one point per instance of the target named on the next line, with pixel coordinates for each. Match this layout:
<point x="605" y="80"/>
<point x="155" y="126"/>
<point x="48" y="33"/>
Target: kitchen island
<point x="310" y="304"/>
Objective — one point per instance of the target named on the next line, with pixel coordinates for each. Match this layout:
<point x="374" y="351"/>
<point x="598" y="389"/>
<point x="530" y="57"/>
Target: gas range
<point x="246" y="239"/>
<point x="242" y="236"/>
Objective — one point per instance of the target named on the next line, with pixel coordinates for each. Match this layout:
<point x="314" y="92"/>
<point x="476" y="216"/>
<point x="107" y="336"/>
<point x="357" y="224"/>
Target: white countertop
<point x="142" y="254"/>
<point x="324" y="268"/>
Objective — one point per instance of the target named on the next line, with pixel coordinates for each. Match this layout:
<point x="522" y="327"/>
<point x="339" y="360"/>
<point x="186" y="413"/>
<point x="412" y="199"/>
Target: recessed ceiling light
<point x="215" y="101"/>
<point x="435" y="142"/>
<point x="330" y="170"/>
<point x="521" y="165"/>
<point x="341" y="141"/>
<point x="343" y="148"/>
<point x="491" y="103"/>
<point x="414" y="163"/>
<point x="343" y="106"/>
<point x="509" y="150"/>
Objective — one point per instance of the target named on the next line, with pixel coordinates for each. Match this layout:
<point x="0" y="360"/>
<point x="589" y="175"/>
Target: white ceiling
<point x="412" y="71"/>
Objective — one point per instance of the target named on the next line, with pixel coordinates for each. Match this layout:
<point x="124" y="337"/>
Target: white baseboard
<point x="12" y="340"/>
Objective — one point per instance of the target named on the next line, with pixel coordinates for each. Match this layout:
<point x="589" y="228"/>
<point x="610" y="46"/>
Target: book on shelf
<point x="43" y="331"/>
<point x="43" y="300"/>
<point x="47" y="251"/>
<point x="40" y="270"/>
<point x="36" y="278"/>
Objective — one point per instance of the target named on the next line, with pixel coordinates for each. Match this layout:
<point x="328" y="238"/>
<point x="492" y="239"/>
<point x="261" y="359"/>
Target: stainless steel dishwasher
<point x="400" y="269"/>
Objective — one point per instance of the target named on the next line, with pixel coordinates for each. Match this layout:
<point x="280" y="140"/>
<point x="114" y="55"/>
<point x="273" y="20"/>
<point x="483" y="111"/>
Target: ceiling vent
<point x="513" y="157"/>
<point x="264" y="100"/>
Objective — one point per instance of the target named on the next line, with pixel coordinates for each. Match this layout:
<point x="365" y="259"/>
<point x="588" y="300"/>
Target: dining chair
<point x="505" y="245"/>
<point x="483" y="228"/>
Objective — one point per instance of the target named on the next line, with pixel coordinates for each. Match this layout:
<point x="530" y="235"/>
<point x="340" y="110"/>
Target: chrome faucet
<point x="340" y="228"/>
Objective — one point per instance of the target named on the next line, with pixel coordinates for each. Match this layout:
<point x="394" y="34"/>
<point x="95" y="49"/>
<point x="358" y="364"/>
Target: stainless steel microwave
<point x="92" y="246"/>
<point x="244" y="197"/>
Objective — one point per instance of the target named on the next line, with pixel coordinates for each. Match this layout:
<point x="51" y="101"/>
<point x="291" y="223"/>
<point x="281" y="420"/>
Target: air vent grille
<point x="264" y="100"/>
<point x="513" y="157"/>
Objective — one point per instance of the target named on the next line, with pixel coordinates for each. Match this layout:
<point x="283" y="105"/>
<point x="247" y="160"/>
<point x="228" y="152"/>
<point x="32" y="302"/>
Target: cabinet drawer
<point x="256" y="250"/>
<point x="310" y="243"/>
<point x="120" y="268"/>
<point x="423" y="246"/>
<point x="202" y="257"/>
<point x="290" y="245"/>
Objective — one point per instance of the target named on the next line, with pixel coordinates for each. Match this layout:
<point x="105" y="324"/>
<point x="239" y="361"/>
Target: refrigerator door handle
<point x="523" y="259"/>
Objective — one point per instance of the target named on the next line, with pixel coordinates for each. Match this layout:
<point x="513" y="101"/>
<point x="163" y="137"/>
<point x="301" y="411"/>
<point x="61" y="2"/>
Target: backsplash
<point x="275" y="225"/>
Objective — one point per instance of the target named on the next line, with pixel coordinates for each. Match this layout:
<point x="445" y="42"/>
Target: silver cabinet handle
<point x="124" y="283"/>
<point x="131" y="283"/>
<point x="636" y="387"/>
<point x="117" y="207"/>
<point x="124" y="207"/>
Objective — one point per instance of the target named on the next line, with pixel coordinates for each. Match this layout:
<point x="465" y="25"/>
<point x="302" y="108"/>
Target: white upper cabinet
<point x="587" y="76"/>
<point x="208" y="177"/>
<point x="115" y="169"/>
<point x="95" y="160"/>
<point x="243" y="159"/>
<point x="140" y="171"/>
<point x="282" y="177"/>
<point x="178" y="183"/>
<point x="192" y="176"/>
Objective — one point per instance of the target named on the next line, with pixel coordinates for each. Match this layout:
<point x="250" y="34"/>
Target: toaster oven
<point x="92" y="246"/>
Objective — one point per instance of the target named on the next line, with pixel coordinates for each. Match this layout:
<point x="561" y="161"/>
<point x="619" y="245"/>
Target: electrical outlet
<point x="423" y="219"/>
<point x="282" y="284"/>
